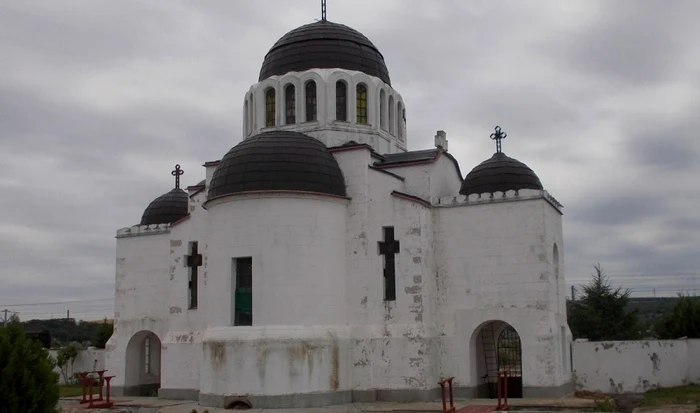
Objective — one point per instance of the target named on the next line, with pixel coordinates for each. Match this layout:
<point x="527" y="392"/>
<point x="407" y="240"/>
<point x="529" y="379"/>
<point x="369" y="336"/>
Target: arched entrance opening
<point x="142" y="376"/>
<point x="498" y="347"/>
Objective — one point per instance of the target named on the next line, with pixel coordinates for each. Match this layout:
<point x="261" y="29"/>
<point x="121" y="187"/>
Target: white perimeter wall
<point x="90" y="359"/>
<point x="635" y="366"/>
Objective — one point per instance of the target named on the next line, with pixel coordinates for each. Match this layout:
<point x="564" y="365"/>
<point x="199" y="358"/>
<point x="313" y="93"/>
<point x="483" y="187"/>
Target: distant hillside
<point x="651" y="308"/>
<point x="64" y="330"/>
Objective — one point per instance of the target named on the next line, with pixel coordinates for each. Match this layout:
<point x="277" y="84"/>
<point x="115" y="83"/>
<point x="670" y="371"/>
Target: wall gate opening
<point x="498" y="349"/>
<point x="510" y="360"/>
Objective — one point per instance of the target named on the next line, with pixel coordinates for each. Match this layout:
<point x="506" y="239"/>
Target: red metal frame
<point x="502" y="384"/>
<point x="88" y="394"/>
<point x="442" y="383"/>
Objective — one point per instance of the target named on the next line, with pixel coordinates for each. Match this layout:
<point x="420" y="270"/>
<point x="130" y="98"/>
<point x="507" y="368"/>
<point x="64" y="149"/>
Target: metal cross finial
<point x="323" y="10"/>
<point x="498" y="136"/>
<point x="176" y="173"/>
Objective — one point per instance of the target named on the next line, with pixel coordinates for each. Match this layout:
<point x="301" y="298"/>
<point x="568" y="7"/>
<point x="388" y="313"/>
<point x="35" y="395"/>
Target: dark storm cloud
<point x="635" y="42"/>
<point x="617" y="209"/>
<point x="99" y="99"/>
<point x="667" y="143"/>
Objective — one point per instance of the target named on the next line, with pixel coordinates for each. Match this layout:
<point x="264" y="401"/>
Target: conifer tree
<point x="683" y="321"/>
<point x="600" y="313"/>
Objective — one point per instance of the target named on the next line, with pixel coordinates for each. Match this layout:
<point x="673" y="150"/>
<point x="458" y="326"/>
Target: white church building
<point x="322" y="262"/>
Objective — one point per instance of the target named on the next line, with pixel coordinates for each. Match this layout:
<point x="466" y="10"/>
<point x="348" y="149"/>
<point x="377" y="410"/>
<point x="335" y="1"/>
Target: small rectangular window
<point x="243" y="292"/>
<point x="341" y="105"/>
<point x="290" y="105"/>
<point x="147" y="355"/>
<point x="361" y="108"/>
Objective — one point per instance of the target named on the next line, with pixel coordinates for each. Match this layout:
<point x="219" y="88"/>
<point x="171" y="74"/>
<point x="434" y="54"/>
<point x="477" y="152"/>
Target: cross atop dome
<point x="498" y="136"/>
<point x="176" y="173"/>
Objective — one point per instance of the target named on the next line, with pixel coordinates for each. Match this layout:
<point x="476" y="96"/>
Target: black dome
<point x="167" y="208"/>
<point x="499" y="173"/>
<point x="324" y="45"/>
<point x="278" y="160"/>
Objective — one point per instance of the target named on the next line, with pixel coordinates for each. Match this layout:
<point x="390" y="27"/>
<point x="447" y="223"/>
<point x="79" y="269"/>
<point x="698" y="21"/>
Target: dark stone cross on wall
<point x="389" y="248"/>
<point x="194" y="261"/>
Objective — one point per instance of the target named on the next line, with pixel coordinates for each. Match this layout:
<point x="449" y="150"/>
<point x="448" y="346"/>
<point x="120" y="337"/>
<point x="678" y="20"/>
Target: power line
<point x="57" y="302"/>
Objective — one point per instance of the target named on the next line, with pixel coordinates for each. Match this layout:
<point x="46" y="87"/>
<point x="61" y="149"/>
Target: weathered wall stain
<point x="262" y="361"/>
<point x="414" y="289"/>
<point x="334" y="379"/>
<point x="217" y="350"/>
<point x="656" y="362"/>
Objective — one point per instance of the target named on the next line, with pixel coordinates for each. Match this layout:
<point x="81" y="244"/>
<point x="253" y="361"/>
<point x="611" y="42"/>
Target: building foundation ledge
<point x="178" y="394"/>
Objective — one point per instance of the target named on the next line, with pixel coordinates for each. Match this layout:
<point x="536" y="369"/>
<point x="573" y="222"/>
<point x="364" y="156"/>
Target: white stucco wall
<point x="297" y="244"/>
<point x="635" y="366"/>
<point x="141" y="298"/>
<point x="89" y="359"/>
<point x="271" y="360"/>
<point x="445" y="178"/>
<point x="494" y="263"/>
<point x="430" y="180"/>
<point x="182" y="349"/>
<point x="393" y="342"/>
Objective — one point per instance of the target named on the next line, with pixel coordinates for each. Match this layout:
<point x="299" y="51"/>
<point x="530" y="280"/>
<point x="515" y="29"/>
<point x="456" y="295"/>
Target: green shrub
<point x="27" y="381"/>
<point x="605" y="405"/>
<point x="66" y="355"/>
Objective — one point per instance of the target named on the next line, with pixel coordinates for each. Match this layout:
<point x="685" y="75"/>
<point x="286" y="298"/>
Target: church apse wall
<point x="295" y="244"/>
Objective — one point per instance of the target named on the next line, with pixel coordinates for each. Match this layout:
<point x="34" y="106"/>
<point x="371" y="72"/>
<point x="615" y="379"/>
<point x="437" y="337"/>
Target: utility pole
<point x="573" y="293"/>
<point x="5" y="322"/>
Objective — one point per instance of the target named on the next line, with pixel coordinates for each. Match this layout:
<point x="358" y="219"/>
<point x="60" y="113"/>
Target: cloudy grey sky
<point x="99" y="99"/>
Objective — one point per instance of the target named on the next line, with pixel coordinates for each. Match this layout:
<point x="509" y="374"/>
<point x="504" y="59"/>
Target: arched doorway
<point x="498" y="347"/>
<point x="510" y="360"/>
<point x="142" y="376"/>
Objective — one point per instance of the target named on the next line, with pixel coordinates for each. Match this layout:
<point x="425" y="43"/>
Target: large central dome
<point x="324" y="45"/>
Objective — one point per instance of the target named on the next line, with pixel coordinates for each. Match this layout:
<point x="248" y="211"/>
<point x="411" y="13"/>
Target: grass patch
<point x="689" y="394"/>
<point x="606" y="405"/>
<point x="70" y="390"/>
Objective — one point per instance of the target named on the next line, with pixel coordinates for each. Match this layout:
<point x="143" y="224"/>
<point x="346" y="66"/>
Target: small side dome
<point x="499" y="173"/>
<point x="167" y="208"/>
<point x="278" y="161"/>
